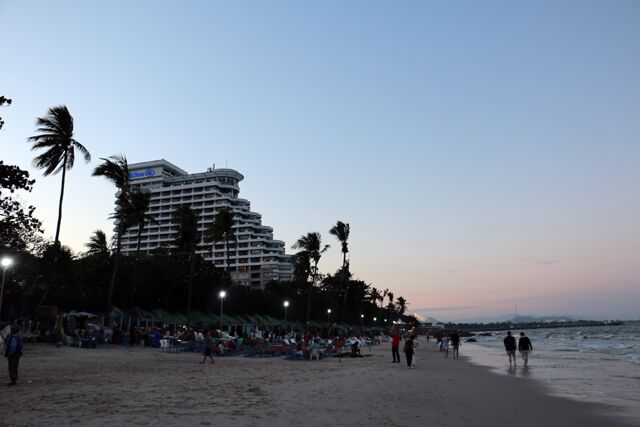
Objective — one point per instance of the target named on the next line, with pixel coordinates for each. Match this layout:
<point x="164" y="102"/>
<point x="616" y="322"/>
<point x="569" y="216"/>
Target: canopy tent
<point x="252" y="320"/>
<point x="198" y="317"/>
<point x="270" y="321"/>
<point x="117" y="313"/>
<point x="246" y="320"/>
<point x="143" y="315"/>
<point x="229" y="320"/>
<point x="79" y="314"/>
<point x="179" y="319"/>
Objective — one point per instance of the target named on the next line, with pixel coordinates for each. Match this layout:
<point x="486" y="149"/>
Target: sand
<point x="144" y="386"/>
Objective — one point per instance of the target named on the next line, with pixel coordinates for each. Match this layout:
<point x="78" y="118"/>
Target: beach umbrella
<point x="80" y="314"/>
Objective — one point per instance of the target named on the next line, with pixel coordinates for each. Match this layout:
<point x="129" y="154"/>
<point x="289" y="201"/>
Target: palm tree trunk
<point x="140" y="228"/>
<point x="344" y="286"/>
<point x="56" y="240"/>
<point x="314" y="276"/>
<point x="228" y="257"/>
<point x="116" y="266"/>
<point x="192" y="263"/>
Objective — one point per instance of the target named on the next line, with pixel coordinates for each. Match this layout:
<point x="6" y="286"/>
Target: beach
<point x="144" y="386"/>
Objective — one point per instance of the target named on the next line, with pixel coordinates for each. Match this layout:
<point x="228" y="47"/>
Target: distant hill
<point x="426" y="319"/>
<point x="517" y="319"/>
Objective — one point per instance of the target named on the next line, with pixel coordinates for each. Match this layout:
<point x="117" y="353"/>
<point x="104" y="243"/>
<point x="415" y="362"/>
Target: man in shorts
<point x="510" y="347"/>
<point x="524" y="346"/>
<point x="208" y="346"/>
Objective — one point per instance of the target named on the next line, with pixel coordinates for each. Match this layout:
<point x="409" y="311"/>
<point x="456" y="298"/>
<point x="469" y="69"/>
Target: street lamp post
<point x="329" y="316"/>
<point x="222" y="295"/>
<point x="5" y="263"/>
<point x="361" y="323"/>
<point x="286" y="324"/>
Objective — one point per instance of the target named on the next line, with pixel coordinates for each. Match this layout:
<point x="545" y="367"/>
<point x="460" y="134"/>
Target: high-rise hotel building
<point x="256" y="260"/>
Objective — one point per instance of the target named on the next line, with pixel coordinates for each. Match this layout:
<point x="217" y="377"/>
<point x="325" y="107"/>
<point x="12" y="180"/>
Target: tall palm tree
<point x="116" y="170"/>
<point x="311" y="245"/>
<point x="137" y="207"/>
<point x="186" y="241"/>
<point x="221" y="229"/>
<point x="55" y="135"/>
<point x="341" y="232"/>
<point x="98" y="244"/>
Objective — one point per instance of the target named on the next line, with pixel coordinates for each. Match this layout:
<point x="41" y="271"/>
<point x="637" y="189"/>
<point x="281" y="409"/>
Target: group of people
<point x="446" y="341"/>
<point x="523" y="345"/>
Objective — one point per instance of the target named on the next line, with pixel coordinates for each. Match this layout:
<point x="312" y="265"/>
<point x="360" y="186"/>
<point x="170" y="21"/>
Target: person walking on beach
<point x="408" y="351"/>
<point x="524" y="346"/>
<point x="510" y="347"/>
<point x="208" y="346"/>
<point x="13" y="352"/>
<point x="445" y="346"/>
<point x="395" y="346"/>
<point x="455" y="343"/>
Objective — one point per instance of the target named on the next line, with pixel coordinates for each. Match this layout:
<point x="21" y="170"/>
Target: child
<point x="445" y="346"/>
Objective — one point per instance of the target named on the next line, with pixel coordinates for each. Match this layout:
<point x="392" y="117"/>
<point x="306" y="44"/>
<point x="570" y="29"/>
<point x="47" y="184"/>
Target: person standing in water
<point x="510" y="347"/>
<point x="525" y="347"/>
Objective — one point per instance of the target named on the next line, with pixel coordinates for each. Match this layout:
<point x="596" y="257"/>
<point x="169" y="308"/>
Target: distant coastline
<point x="504" y="326"/>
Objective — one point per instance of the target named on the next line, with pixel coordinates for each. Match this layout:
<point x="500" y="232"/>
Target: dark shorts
<point x="207" y="352"/>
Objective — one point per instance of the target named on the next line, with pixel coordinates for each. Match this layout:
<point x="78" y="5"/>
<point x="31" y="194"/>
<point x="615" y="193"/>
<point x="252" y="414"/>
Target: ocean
<point x="598" y="364"/>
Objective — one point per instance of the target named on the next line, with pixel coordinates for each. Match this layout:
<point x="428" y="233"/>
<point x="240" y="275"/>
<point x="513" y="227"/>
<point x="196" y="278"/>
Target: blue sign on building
<point x="142" y="174"/>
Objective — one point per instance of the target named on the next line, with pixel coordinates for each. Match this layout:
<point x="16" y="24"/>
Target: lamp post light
<point x="286" y="323"/>
<point x="222" y="294"/>
<point x="6" y="262"/>
<point x="328" y="315"/>
<point x="361" y="323"/>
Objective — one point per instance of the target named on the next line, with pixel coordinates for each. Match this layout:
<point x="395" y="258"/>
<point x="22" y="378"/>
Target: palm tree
<point x="341" y="232"/>
<point x="55" y="135"/>
<point x="186" y="241"/>
<point x="401" y="303"/>
<point x="137" y="207"/>
<point x="116" y="170"/>
<point x="390" y="305"/>
<point x="98" y="244"/>
<point x="301" y="267"/>
<point x="311" y="245"/>
<point x="221" y="229"/>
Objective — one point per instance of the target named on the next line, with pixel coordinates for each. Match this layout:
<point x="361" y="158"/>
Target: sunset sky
<point x="486" y="154"/>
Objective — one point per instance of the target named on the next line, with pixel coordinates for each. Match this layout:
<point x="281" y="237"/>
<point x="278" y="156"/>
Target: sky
<point x="486" y="154"/>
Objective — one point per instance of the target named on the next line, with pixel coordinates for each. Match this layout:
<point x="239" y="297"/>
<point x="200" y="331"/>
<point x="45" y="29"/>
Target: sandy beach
<point x="64" y="386"/>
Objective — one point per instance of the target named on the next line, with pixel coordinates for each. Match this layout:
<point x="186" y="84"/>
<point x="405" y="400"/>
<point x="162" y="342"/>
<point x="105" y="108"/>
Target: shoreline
<point x="145" y="386"/>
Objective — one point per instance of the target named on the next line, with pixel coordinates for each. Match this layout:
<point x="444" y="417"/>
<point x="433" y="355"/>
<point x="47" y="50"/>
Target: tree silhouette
<point x="341" y="232"/>
<point x="116" y="170"/>
<point x="311" y="245"/>
<point x="55" y="135"/>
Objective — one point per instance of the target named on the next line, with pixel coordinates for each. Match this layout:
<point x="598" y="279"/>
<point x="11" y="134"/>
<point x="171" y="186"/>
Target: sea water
<point x="599" y="364"/>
